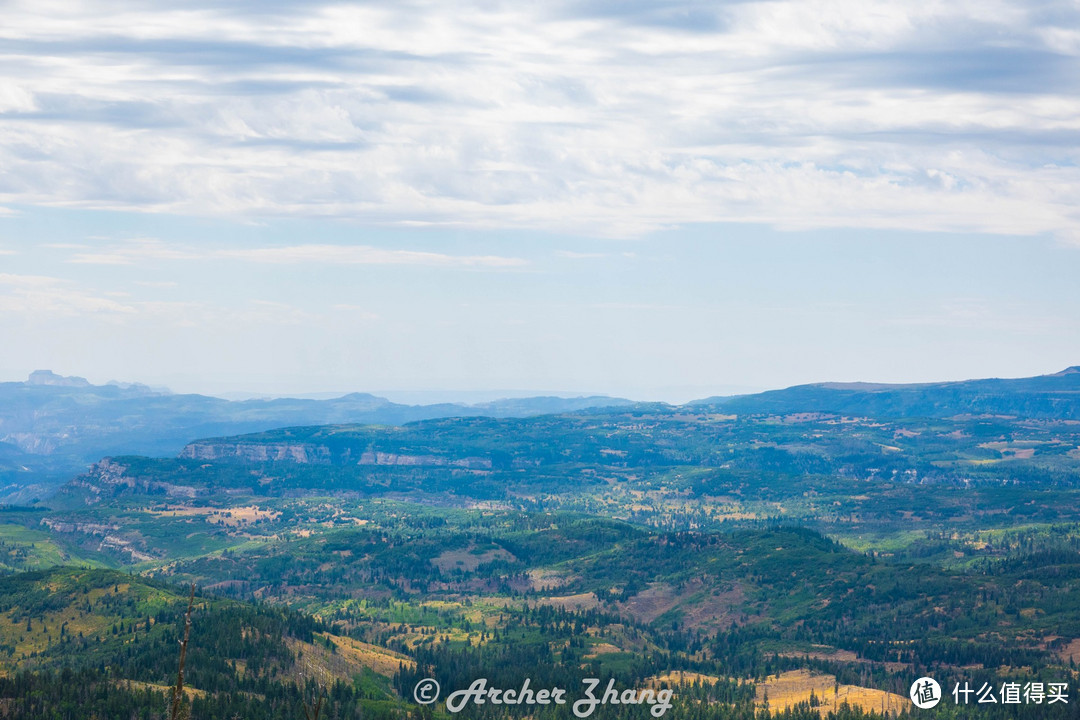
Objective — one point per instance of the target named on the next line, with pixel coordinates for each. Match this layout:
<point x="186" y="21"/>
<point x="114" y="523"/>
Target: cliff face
<point x="109" y="478"/>
<point x="379" y="458"/>
<point x="75" y="423"/>
<point x="258" y="452"/>
<point x="311" y="453"/>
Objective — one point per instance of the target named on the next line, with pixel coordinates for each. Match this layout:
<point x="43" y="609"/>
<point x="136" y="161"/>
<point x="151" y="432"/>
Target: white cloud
<point x="572" y="255"/>
<point x="133" y="251"/>
<point x="363" y="255"/>
<point x="136" y="251"/>
<point x="355" y="312"/>
<point x="596" y="118"/>
<point x="34" y="296"/>
<point x="28" y="281"/>
<point x="40" y="297"/>
<point x="1017" y="319"/>
<point x="157" y="283"/>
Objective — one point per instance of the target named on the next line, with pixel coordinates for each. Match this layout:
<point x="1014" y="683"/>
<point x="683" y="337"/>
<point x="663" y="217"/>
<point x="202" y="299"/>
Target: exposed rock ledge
<point x="320" y="454"/>
<point x="109" y="477"/>
<point x="258" y="452"/>
<point x="380" y="458"/>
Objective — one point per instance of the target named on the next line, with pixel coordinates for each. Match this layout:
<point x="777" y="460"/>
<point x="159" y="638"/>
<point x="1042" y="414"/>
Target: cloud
<point x="955" y="314"/>
<point x="39" y="297"/>
<point x="571" y="254"/>
<point x="363" y="255"/>
<point x="27" y="281"/>
<point x="133" y="251"/>
<point x="592" y="117"/>
<point x="33" y="296"/>
<point x="637" y="307"/>
<point x="355" y="312"/>
<point x="157" y="283"/>
<point x="137" y="251"/>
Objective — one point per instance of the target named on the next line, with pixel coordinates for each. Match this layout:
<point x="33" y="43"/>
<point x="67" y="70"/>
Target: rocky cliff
<point x="312" y="453"/>
<point x="108" y="478"/>
<point x="257" y="452"/>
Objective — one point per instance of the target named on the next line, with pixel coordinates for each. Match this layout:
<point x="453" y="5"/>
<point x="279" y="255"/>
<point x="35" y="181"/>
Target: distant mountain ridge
<point x="54" y="426"/>
<point x="1055" y="396"/>
<point x="48" y="377"/>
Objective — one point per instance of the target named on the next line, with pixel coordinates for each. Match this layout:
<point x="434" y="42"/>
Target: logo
<point x="925" y="693"/>
<point x="481" y="693"/>
<point x="426" y="691"/>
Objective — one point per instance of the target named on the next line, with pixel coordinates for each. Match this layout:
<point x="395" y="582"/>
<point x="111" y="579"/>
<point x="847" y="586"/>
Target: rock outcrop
<point x="311" y="453"/>
<point x="258" y="452"/>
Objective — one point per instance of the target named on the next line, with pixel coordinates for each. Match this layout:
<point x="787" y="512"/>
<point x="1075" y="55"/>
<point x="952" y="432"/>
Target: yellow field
<point x="581" y="601"/>
<point x="795" y="686"/>
<point x="1071" y="651"/>
<point x="189" y="692"/>
<point x="544" y="579"/>
<point x="314" y="660"/>
<point x="681" y="677"/>
<point x="602" y="649"/>
<point x="383" y="661"/>
<point x="229" y="517"/>
<point x="823" y="653"/>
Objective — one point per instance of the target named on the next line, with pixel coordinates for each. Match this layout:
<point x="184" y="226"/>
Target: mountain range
<point x="52" y="427"/>
<point x="1055" y="396"/>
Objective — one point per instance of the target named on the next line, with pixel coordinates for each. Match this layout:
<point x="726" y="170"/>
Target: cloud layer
<point x="136" y="251"/>
<point x="597" y="117"/>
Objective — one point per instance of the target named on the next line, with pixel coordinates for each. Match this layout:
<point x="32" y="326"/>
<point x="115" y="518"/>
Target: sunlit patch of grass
<point x="801" y="686"/>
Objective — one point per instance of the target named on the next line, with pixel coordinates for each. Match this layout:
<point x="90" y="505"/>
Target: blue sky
<point x="653" y="199"/>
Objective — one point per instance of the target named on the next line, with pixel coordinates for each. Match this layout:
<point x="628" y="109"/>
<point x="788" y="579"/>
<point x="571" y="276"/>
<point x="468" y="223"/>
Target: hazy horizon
<point x="414" y="396"/>
<point x="673" y="395"/>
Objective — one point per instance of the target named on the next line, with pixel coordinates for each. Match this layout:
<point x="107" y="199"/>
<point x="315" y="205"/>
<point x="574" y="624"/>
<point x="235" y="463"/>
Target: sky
<point x="658" y="200"/>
